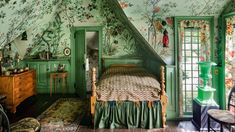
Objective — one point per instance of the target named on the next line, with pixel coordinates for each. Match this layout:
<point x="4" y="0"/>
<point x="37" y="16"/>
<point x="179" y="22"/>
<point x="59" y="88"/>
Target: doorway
<point x="87" y="54"/>
<point x="92" y="50"/>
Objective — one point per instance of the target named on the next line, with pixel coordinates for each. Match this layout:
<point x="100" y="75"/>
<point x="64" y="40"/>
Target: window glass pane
<point x="194" y="46"/>
<point x="190" y="57"/>
<point x="195" y="81"/>
<point x="187" y="32"/>
<point x="189" y="81"/>
<point x="188" y="53"/>
<point x="195" y="40"/>
<point x="195" y="66"/>
<point x="187" y="47"/>
<point x="187" y="40"/>
<point x="195" y="53"/>
<point x="188" y="67"/>
<point x="196" y="75"/>
<point x="195" y="33"/>
<point x="188" y="73"/>
<point x="188" y="87"/>
<point x="195" y="60"/>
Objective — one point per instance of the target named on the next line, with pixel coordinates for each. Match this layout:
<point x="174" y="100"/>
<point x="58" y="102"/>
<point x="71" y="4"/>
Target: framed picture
<point x="67" y="51"/>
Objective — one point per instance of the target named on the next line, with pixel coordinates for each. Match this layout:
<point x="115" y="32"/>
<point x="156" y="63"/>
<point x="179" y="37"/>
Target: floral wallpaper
<point x="153" y="17"/>
<point x="48" y="20"/>
<point x="229" y="54"/>
<point x="16" y="16"/>
<point x="53" y="35"/>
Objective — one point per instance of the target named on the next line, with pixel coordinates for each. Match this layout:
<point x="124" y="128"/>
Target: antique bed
<point x="128" y="96"/>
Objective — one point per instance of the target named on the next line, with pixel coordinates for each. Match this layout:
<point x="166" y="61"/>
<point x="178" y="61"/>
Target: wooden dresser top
<point x="18" y="74"/>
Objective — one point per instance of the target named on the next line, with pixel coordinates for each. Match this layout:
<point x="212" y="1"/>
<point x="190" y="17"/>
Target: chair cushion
<point x="28" y="124"/>
<point x="222" y="116"/>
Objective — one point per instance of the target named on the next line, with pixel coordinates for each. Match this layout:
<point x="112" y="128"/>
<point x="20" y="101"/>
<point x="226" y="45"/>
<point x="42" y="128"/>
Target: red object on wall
<point x="165" y="39"/>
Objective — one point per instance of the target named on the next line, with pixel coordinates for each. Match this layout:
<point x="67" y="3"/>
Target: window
<point x="190" y="69"/>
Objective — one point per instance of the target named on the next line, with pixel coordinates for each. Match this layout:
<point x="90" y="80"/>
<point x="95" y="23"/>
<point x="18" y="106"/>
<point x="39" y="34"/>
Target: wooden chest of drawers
<point x="17" y="88"/>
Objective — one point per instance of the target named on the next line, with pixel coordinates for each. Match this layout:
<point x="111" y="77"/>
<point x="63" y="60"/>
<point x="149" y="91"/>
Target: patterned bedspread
<point x="127" y="83"/>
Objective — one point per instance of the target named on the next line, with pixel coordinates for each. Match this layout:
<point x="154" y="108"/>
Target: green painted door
<point x="80" y="55"/>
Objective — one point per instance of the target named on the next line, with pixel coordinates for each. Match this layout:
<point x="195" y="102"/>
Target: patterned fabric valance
<point x="204" y="32"/>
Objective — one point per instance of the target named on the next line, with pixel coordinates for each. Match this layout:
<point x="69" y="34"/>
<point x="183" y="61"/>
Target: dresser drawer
<point x="18" y="88"/>
<point x="21" y="80"/>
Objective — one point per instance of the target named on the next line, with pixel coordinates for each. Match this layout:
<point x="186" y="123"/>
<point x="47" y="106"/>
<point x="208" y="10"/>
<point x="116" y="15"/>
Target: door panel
<point x="80" y="55"/>
<point x="43" y="75"/>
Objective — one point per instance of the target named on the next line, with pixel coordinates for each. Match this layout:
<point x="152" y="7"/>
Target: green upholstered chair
<point x="28" y="124"/>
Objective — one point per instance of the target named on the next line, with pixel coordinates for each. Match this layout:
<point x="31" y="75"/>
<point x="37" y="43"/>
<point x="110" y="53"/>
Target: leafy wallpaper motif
<point x="230" y="7"/>
<point x="152" y="17"/>
<point x="18" y="16"/>
<point x="117" y="38"/>
<point x="48" y="39"/>
<point x="54" y="34"/>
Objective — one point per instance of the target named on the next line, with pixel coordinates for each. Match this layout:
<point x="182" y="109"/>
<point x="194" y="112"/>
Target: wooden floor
<point x="84" y="129"/>
<point x="34" y="106"/>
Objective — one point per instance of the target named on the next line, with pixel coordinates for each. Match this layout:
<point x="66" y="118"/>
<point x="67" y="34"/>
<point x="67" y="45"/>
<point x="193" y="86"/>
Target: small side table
<point x="58" y="75"/>
<point x="223" y="117"/>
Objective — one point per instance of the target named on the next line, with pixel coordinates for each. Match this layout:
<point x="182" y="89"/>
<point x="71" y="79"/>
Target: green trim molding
<point x="222" y="48"/>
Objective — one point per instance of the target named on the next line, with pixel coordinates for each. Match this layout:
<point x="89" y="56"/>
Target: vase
<point x="205" y="92"/>
<point x="205" y="68"/>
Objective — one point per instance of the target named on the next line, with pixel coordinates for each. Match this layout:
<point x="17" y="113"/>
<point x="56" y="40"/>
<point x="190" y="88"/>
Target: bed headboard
<point x="107" y="62"/>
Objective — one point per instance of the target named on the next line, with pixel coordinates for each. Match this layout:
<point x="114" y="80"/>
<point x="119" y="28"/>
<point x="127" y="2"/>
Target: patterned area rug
<point x="63" y="116"/>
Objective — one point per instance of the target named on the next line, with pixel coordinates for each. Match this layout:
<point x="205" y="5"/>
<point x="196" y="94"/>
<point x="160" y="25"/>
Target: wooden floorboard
<point x="85" y="129"/>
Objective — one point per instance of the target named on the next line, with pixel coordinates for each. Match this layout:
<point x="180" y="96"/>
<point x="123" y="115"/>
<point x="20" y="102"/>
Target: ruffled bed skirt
<point x="128" y="114"/>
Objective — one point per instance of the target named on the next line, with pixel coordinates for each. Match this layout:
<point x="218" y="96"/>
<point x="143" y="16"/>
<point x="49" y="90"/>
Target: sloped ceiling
<point x="17" y="16"/>
<point x="152" y="17"/>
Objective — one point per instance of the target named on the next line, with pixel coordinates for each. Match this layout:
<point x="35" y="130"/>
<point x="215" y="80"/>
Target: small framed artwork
<point x="67" y="51"/>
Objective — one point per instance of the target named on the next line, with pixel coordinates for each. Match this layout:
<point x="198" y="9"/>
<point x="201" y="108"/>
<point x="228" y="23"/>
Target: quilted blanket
<point x="128" y="83"/>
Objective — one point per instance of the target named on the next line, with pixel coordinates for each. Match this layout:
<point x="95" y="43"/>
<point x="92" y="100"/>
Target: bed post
<point x="93" y="95"/>
<point x="164" y="98"/>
